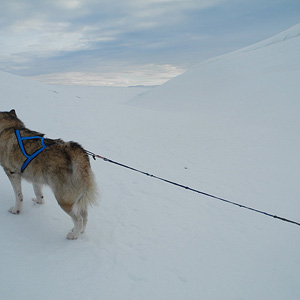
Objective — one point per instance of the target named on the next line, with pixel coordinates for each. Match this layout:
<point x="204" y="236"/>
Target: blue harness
<point x="32" y="156"/>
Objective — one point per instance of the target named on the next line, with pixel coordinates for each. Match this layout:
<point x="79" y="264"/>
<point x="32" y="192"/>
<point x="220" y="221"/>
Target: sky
<point x="130" y="42"/>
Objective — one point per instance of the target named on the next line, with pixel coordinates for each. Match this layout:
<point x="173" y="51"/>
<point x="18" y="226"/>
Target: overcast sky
<point x="130" y="42"/>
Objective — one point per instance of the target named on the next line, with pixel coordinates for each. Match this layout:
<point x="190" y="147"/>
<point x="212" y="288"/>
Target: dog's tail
<point x="82" y="178"/>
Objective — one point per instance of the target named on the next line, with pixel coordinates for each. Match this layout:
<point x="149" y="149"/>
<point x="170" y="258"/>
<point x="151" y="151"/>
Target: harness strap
<point x="32" y="156"/>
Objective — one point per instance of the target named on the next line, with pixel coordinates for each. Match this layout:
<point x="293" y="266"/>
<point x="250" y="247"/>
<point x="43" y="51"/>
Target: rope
<point x="194" y="190"/>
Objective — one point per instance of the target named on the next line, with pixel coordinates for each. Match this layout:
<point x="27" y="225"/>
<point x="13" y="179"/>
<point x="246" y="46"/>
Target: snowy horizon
<point x="129" y="42"/>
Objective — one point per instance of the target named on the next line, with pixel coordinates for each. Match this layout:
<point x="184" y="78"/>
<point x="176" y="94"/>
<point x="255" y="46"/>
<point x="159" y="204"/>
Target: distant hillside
<point x="255" y="77"/>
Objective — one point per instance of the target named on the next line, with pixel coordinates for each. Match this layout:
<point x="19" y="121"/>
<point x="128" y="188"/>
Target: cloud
<point x="150" y="74"/>
<point x="104" y="36"/>
<point x="70" y="4"/>
<point x="34" y="33"/>
<point x="49" y="26"/>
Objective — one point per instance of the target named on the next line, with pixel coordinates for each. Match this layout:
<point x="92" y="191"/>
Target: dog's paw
<point x="14" y="210"/>
<point x="72" y="236"/>
<point x="38" y="201"/>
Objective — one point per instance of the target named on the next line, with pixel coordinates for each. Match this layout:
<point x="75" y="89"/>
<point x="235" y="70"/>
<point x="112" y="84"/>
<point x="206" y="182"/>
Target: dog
<point x="64" y="166"/>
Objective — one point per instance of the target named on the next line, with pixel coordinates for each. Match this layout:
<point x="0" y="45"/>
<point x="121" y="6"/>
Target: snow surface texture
<point x="230" y="127"/>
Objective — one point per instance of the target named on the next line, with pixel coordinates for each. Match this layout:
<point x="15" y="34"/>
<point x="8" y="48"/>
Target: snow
<point x="229" y="127"/>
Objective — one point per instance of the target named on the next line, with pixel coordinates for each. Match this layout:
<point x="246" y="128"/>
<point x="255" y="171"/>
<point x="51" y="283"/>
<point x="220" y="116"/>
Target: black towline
<point x="194" y="190"/>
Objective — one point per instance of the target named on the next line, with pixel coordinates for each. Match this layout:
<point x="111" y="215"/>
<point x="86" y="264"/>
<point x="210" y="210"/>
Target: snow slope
<point x="230" y="127"/>
<point x="249" y="80"/>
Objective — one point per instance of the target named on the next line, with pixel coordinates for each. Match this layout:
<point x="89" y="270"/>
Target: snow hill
<point x="250" y="79"/>
<point x="229" y="127"/>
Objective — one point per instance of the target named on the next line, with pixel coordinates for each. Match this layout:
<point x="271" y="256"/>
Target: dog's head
<point x="8" y="115"/>
<point x="9" y="119"/>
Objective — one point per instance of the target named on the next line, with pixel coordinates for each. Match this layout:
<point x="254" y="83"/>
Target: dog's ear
<point x="13" y="113"/>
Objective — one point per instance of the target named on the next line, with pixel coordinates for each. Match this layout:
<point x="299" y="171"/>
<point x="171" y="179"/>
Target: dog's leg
<point x="77" y="219"/>
<point x="84" y="215"/>
<point x="38" y="193"/>
<point x="78" y="227"/>
<point x="15" y="179"/>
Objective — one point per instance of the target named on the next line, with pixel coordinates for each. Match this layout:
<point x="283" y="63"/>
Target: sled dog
<point x="64" y="166"/>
